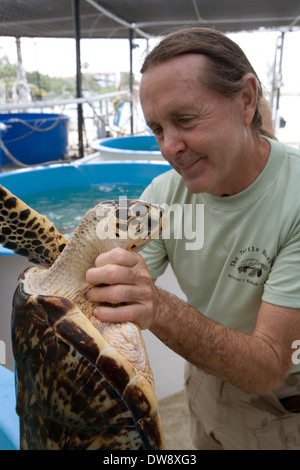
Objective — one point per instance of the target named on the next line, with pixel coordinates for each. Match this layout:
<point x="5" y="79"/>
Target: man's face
<point x="202" y="134"/>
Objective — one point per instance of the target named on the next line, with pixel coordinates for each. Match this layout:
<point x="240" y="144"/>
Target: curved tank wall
<point x="27" y="181"/>
<point x="141" y="147"/>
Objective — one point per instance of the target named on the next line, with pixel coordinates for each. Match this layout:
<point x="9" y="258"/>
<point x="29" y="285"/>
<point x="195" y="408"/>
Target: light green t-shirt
<point x="246" y="247"/>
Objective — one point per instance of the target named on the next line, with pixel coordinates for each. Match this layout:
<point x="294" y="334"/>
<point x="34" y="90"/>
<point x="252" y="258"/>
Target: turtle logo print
<point x="251" y="265"/>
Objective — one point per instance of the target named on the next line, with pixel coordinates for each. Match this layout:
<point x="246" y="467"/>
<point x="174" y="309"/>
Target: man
<point x="201" y="98"/>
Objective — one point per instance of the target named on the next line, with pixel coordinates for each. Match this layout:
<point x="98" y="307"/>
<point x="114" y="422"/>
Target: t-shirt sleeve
<point x="283" y="284"/>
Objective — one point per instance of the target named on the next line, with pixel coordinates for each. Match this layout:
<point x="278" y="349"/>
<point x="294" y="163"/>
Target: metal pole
<point x="131" y="79"/>
<point x="78" y="77"/>
<point x="277" y="80"/>
<point x="21" y="89"/>
<point x="280" y="71"/>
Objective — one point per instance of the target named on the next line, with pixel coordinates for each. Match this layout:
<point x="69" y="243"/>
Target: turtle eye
<point x="138" y="228"/>
<point x="139" y="210"/>
<point x="121" y="227"/>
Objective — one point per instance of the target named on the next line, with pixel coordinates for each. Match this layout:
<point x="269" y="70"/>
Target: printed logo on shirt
<point x="251" y="265"/>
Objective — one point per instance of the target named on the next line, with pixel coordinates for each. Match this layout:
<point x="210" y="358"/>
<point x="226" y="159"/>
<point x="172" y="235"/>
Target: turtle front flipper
<point x="28" y="233"/>
<point x="77" y="392"/>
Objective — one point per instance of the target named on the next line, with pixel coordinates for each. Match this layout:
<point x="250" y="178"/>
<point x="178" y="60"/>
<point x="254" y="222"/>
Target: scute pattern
<point x="83" y="386"/>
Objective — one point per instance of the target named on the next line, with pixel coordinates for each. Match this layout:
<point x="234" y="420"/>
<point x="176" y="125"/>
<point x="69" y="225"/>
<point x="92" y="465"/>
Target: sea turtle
<point x="82" y="384"/>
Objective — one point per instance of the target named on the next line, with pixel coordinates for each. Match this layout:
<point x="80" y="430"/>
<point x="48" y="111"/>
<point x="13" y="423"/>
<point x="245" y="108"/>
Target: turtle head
<point x="129" y="224"/>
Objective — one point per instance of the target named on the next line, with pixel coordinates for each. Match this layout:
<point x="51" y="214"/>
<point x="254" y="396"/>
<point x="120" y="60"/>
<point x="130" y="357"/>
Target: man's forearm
<point x="248" y="362"/>
<point x="254" y="363"/>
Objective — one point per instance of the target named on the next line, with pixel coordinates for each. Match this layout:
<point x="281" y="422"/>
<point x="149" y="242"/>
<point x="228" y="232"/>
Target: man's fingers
<point x="124" y="313"/>
<point x="119" y="293"/>
<point x="117" y="256"/>
<point x="109" y="274"/>
<point x="121" y="278"/>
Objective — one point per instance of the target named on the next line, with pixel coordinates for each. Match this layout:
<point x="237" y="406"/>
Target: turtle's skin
<point x="82" y="384"/>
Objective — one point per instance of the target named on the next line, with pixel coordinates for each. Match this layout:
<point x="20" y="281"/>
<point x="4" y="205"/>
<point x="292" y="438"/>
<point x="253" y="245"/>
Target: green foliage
<point x="46" y="87"/>
<point x="7" y="70"/>
<point x="43" y="85"/>
<point x="8" y="75"/>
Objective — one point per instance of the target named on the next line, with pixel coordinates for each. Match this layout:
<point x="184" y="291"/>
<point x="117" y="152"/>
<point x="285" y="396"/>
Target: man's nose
<point x="173" y="145"/>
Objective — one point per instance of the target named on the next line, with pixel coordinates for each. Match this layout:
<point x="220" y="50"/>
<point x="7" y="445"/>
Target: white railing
<point x="63" y="102"/>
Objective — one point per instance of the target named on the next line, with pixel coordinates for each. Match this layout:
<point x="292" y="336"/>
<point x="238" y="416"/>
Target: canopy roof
<point x="114" y="18"/>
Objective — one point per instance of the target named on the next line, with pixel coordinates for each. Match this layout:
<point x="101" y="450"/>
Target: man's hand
<point x="122" y="277"/>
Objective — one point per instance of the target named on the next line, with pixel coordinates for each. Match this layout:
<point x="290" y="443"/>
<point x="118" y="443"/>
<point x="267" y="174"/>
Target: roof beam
<point x="112" y="16"/>
<point x="220" y="21"/>
<point x="296" y="20"/>
<point x="199" y="18"/>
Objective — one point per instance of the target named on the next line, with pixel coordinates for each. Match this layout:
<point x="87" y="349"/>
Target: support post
<point x="78" y="77"/>
<point x="277" y="81"/>
<point x="131" y="78"/>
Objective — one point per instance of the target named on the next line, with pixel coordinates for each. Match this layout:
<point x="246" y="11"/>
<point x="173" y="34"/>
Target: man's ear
<point x="249" y="97"/>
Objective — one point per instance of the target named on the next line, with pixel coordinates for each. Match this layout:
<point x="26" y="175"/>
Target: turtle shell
<point x="77" y="392"/>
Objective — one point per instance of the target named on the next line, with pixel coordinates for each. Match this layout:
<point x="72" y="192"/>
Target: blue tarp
<point x="9" y="420"/>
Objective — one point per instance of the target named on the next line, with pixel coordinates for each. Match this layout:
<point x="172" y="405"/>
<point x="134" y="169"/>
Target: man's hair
<point x="227" y="63"/>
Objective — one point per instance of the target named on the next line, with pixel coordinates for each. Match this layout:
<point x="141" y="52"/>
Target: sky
<point x="56" y="57"/>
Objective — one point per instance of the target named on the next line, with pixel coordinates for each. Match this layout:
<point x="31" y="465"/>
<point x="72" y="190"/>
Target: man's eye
<point x="186" y="120"/>
<point x="157" y="130"/>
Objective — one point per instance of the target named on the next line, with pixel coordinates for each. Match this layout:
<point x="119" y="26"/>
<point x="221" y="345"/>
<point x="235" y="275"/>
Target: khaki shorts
<point x="223" y="417"/>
